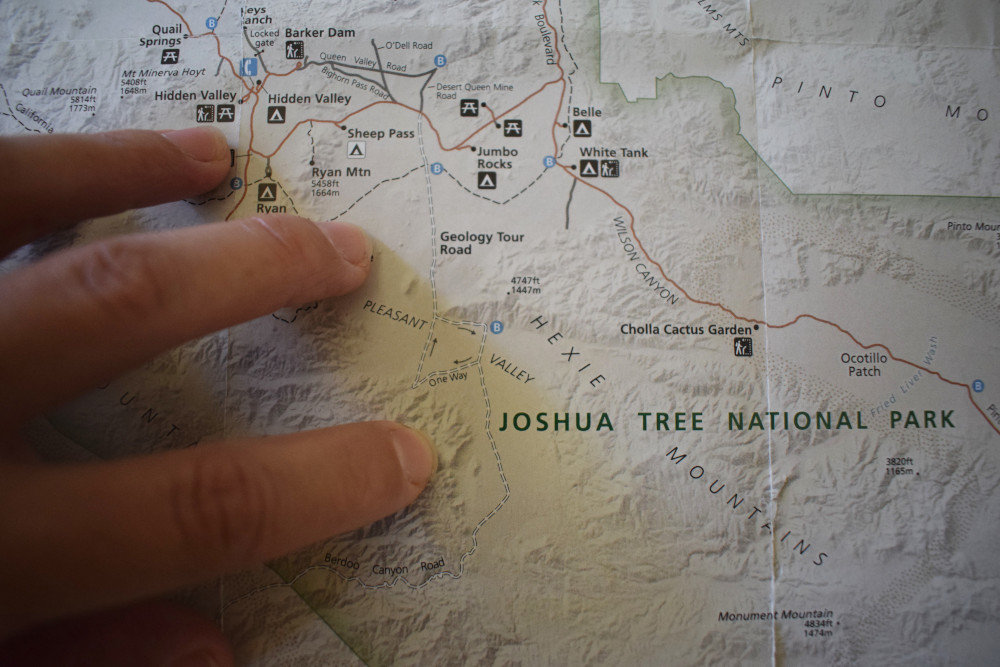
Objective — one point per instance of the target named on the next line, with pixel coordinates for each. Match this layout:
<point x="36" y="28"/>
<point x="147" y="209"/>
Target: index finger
<point x="51" y="181"/>
<point x="90" y="312"/>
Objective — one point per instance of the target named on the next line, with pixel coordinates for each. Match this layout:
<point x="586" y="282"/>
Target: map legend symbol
<point x="225" y="113"/>
<point x="512" y="128"/>
<point x="170" y="56"/>
<point x="588" y="168"/>
<point x="276" y="114"/>
<point x="487" y="180"/>
<point x="469" y="108"/>
<point x="743" y="347"/>
<point x="248" y="67"/>
<point x="295" y="50"/>
<point x="267" y="192"/>
<point x="581" y="128"/>
<point x="205" y="113"/>
<point x="609" y="168"/>
<point x="978" y="386"/>
<point x="356" y="149"/>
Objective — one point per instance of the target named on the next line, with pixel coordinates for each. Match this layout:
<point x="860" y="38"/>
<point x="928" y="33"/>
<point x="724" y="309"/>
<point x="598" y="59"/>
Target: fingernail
<point x="351" y="241"/>
<point x="204" y="144"/>
<point x="416" y="453"/>
<point x="198" y="659"/>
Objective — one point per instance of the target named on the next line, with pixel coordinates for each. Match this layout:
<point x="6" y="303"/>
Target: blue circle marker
<point x="549" y="161"/>
<point x="211" y="22"/>
<point x="440" y="60"/>
<point x="496" y="326"/>
<point x="437" y="168"/>
<point x="978" y="386"/>
<point x="236" y="183"/>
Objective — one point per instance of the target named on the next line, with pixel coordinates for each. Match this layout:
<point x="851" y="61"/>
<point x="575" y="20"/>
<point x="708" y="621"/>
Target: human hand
<point x="84" y="540"/>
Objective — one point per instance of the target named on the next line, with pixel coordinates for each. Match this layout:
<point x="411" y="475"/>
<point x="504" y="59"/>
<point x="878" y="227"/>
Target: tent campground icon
<point x="276" y="114"/>
<point x="588" y="168"/>
<point x="267" y="192"/>
<point x="487" y="180"/>
<point x="355" y="149"/>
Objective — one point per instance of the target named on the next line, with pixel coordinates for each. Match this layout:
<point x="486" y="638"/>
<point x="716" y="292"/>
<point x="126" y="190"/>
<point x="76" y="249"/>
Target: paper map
<point x="699" y="301"/>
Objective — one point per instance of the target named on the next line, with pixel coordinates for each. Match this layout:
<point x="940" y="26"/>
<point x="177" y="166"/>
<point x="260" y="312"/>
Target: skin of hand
<point x="86" y="546"/>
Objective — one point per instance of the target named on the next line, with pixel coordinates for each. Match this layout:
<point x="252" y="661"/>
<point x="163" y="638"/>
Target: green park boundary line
<point x="739" y="123"/>
<point x="290" y="585"/>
